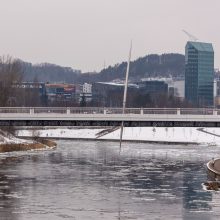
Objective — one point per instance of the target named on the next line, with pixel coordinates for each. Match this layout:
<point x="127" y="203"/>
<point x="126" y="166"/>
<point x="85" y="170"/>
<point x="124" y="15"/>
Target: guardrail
<point x="97" y="110"/>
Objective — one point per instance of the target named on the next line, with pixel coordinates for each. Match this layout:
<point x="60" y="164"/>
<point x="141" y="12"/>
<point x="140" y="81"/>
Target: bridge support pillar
<point x="68" y="111"/>
<point x="31" y="111"/>
<point x="142" y="112"/>
<point x="178" y="111"/>
<point x="215" y="112"/>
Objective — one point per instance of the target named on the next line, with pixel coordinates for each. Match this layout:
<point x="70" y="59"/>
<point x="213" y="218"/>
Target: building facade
<point x="153" y="87"/>
<point x="87" y="88"/>
<point x="60" y="92"/>
<point x="86" y="93"/>
<point x="109" y="94"/>
<point x="199" y="73"/>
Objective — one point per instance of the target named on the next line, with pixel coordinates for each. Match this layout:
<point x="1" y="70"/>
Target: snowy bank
<point x="7" y="138"/>
<point x="187" y="135"/>
<point x="9" y="143"/>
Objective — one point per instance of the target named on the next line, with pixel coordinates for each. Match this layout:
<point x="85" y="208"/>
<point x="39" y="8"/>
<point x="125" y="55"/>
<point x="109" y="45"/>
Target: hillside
<point x="46" y="72"/>
<point x="149" y="66"/>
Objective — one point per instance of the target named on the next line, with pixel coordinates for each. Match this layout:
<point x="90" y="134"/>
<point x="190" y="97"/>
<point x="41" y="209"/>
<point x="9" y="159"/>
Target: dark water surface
<point x="89" y="180"/>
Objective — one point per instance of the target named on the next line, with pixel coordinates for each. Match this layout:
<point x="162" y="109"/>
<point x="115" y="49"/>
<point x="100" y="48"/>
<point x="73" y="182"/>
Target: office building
<point x="199" y="73"/>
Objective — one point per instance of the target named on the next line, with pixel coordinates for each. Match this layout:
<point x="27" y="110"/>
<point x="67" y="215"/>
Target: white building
<point x="87" y="88"/>
<point x="86" y="92"/>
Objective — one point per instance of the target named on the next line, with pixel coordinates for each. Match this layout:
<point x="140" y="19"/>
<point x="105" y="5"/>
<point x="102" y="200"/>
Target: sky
<point x="88" y="34"/>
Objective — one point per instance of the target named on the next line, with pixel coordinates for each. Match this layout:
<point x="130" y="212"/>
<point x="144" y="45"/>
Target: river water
<point x="90" y="180"/>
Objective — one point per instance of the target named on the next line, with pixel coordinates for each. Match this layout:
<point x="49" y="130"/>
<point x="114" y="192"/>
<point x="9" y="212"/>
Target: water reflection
<point x="90" y="180"/>
<point x="8" y="193"/>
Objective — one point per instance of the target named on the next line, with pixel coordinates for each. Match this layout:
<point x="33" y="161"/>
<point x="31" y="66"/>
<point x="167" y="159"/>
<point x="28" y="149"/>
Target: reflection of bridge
<point x="133" y="117"/>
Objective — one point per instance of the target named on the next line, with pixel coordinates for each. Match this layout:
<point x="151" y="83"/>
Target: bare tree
<point x="10" y="72"/>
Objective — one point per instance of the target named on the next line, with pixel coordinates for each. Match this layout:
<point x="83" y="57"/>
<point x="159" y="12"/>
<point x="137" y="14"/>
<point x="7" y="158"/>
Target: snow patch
<point x="207" y="136"/>
<point x="6" y="138"/>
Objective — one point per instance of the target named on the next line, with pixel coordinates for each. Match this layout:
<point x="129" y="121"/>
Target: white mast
<point x="125" y="93"/>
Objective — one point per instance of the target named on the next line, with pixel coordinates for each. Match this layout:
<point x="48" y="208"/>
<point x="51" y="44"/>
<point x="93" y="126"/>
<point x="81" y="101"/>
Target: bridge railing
<point x="99" y="110"/>
<point x="48" y="110"/>
<point x="86" y="110"/>
<point x="14" y="110"/>
<point x="161" y="111"/>
<point x="199" y="111"/>
<point x="120" y="111"/>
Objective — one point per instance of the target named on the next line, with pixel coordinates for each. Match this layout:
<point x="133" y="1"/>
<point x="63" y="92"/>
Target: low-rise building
<point x="86" y="93"/>
<point x="109" y="93"/>
<point x="153" y="87"/>
<point x="87" y="88"/>
<point x="60" y="92"/>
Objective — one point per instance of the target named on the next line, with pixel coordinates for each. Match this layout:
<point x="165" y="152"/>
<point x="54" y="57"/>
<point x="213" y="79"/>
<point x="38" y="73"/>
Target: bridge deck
<point x="110" y="117"/>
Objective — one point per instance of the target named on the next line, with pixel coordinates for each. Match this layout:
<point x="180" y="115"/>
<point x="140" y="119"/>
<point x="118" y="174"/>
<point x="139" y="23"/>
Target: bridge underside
<point x="93" y="123"/>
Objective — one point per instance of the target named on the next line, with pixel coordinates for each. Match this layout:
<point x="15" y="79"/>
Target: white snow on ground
<point x="157" y="134"/>
<point x="61" y="133"/>
<point x="6" y="138"/>
<point x="177" y="134"/>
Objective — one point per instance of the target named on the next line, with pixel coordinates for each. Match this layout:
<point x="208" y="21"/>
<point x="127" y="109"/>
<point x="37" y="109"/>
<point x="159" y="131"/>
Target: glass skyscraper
<point x="199" y="73"/>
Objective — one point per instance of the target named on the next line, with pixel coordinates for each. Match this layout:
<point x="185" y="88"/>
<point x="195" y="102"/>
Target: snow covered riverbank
<point x="7" y="138"/>
<point x="187" y="135"/>
<point x="9" y="143"/>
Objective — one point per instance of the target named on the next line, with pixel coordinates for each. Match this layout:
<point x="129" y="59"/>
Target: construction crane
<point x="191" y="37"/>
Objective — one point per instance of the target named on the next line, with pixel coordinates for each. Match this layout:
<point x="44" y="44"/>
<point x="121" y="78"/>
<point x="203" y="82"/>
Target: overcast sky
<point x="85" y="33"/>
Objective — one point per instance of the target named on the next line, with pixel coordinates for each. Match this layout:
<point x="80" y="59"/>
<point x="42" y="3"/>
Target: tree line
<point x="11" y="74"/>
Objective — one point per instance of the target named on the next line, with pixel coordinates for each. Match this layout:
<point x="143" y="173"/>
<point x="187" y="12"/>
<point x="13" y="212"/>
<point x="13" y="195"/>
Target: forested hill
<point x="46" y="72"/>
<point x="149" y="66"/>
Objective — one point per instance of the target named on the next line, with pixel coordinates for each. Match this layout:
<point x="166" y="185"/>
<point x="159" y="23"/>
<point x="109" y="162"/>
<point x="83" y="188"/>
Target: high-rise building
<point x="199" y="73"/>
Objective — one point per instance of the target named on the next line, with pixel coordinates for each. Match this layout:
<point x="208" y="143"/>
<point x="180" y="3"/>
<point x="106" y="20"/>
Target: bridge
<point x="133" y="117"/>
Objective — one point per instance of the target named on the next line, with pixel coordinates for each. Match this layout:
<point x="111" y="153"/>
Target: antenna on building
<point x="191" y="37"/>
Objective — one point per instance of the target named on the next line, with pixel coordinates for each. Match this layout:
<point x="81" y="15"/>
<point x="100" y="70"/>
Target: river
<point x="90" y="180"/>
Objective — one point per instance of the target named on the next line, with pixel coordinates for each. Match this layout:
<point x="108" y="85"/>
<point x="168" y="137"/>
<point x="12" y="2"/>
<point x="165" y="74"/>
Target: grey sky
<point x="84" y="33"/>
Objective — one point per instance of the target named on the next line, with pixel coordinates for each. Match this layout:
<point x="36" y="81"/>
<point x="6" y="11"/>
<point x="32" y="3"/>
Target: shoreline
<point x="35" y="145"/>
<point x="123" y="141"/>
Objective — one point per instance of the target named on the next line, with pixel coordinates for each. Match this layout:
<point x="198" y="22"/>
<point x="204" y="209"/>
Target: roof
<point x="60" y="85"/>
<point x="200" y="46"/>
<point x="118" y="84"/>
<point x="157" y="79"/>
<point x="111" y="83"/>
